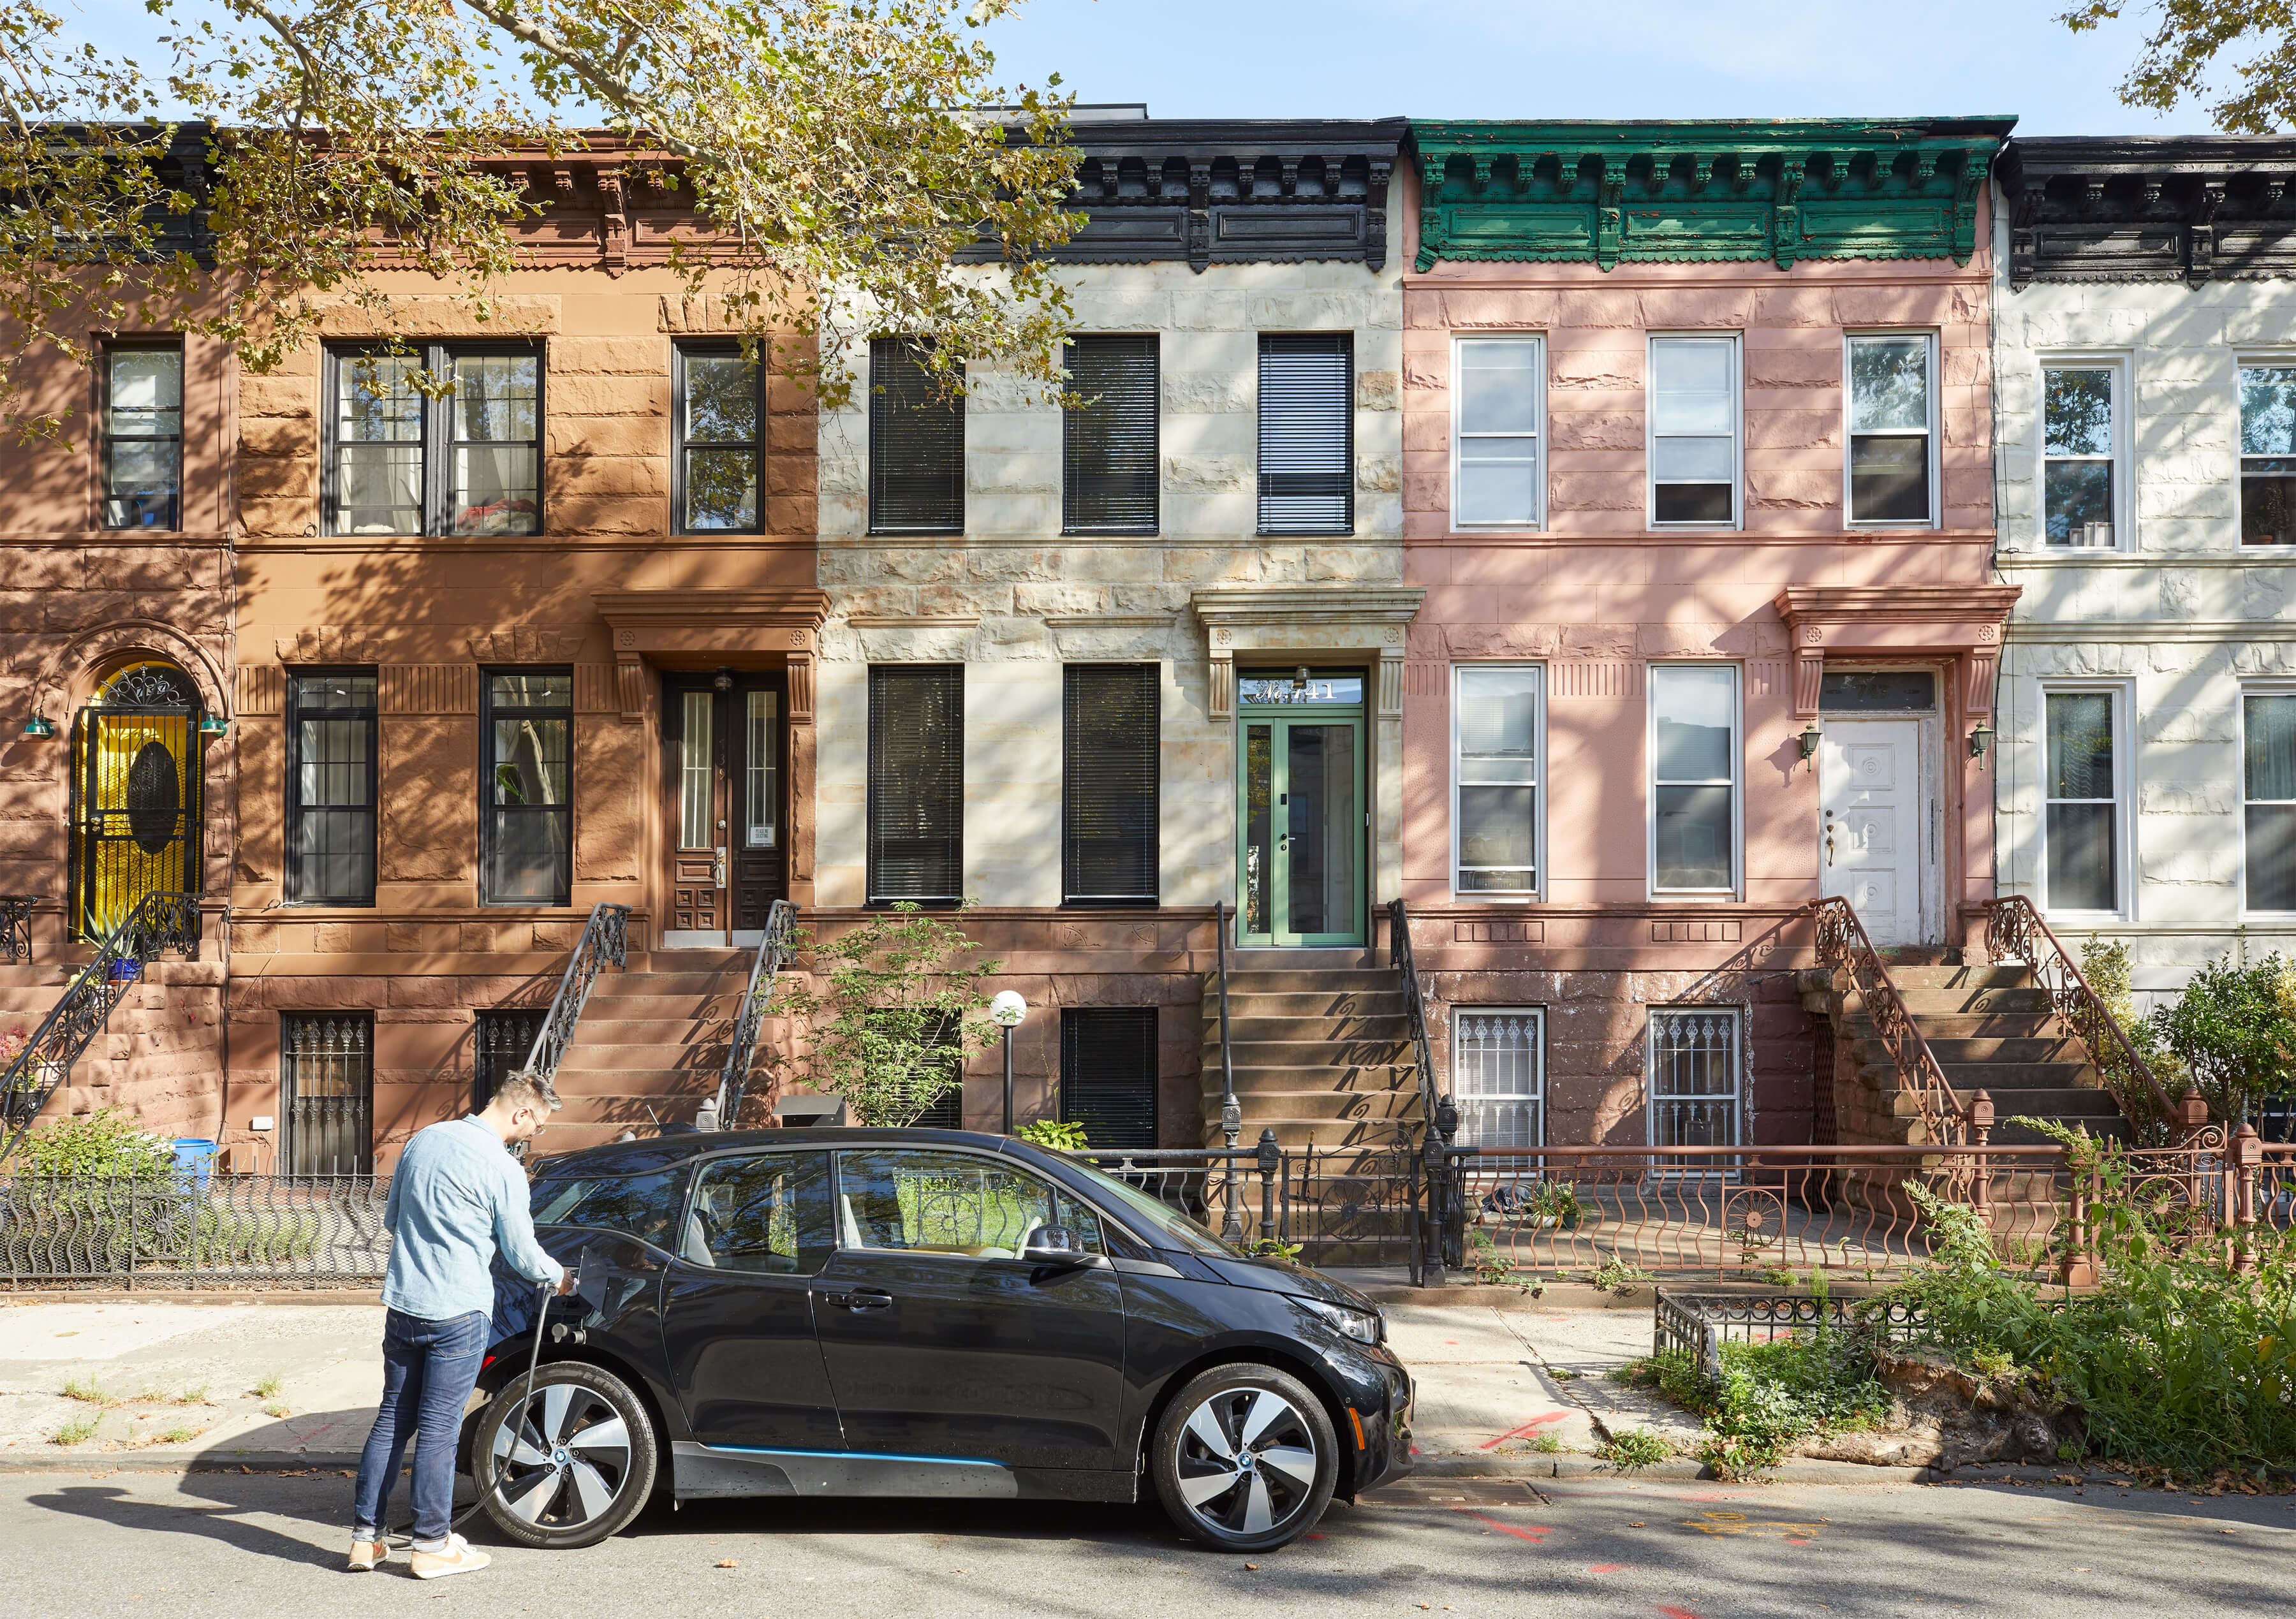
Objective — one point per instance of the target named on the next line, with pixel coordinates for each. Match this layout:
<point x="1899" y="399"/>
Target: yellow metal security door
<point x="136" y="796"/>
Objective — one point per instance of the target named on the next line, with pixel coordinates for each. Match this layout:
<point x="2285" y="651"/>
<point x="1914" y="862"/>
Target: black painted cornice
<point x="2149" y="207"/>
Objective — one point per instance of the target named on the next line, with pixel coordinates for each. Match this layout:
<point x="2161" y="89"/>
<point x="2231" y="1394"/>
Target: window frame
<point x="1537" y="1015"/>
<point x="2251" y="688"/>
<point x="873" y="467"/>
<point x="1346" y="525"/>
<point x="681" y="447"/>
<point x="106" y="437"/>
<point x="2124" y="830"/>
<point x="1073" y="1020"/>
<point x="1933" y="432"/>
<point x="1537" y="341"/>
<point x="488" y="764"/>
<point x="873" y="896"/>
<point x="1154" y="679"/>
<point x="1538" y="786"/>
<point x="2247" y="359"/>
<point x="1737" y="782"/>
<point x="1719" y="1167"/>
<point x="438" y="440"/>
<point x="1736" y="343"/>
<point x="291" y="889"/>
<point x="2124" y="527"/>
<point x="1072" y="521"/>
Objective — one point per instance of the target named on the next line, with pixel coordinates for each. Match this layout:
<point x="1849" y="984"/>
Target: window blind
<point x="1108" y="1074"/>
<point x="916" y="444"/>
<point x="1109" y="734"/>
<point x="916" y="783"/>
<point x="1108" y="445"/>
<point x="1307" y="438"/>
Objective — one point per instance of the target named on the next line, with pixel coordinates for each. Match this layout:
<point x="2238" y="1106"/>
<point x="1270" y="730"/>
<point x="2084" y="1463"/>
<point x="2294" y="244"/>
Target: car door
<point x="941" y="1341"/>
<point x="737" y="1305"/>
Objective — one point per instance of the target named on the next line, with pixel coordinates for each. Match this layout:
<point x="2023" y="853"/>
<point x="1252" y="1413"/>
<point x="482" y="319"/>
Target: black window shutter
<point x="1307" y="433"/>
<point x="916" y="444"/>
<point x="1108" y="1074"/>
<point x="1108" y="445"/>
<point x="1109" y="734"/>
<point x="916" y="781"/>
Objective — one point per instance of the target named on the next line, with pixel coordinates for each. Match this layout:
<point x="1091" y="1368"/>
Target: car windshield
<point x="1171" y="1227"/>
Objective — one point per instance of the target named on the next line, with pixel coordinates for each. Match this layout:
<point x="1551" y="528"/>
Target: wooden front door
<point x="727" y="816"/>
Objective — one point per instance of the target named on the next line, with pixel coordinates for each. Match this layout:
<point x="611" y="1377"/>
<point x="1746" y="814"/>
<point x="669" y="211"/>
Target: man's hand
<point x="565" y="1283"/>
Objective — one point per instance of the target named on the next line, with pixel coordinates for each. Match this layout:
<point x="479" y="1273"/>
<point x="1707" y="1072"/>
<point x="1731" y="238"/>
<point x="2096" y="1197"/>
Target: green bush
<point x="2234" y="1031"/>
<point x="1055" y="1134"/>
<point x="104" y="1142"/>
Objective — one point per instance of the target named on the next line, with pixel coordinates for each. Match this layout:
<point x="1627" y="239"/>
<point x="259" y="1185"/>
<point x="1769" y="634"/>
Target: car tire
<point x="575" y="1457"/>
<point x="1244" y="1458"/>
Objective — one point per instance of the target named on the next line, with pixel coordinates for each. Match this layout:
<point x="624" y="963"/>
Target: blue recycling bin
<point x="195" y="1159"/>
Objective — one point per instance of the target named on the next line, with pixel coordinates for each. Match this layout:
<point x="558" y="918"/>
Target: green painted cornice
<point x="1703" y="190"/>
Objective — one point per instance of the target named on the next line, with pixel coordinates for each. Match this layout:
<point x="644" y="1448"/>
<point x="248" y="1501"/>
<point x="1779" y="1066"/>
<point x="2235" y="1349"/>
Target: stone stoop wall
<point x="1870" y="1107"/>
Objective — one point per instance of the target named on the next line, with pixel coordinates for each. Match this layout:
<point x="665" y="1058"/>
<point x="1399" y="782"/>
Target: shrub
<point x="1055" y="1134"/>
<point x="104" y="1142"/>
<point x="1631" y="1448"/>
<point x="2234" y="1030"/>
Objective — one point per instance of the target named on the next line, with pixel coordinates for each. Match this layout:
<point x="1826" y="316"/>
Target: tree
<point x="827" y="144"/>
<point x="2180" y="60"/>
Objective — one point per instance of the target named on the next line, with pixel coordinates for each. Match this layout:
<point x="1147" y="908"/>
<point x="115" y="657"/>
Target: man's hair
<point x="524" y="1089"/>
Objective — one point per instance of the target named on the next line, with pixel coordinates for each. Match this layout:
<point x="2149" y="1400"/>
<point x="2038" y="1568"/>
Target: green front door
<point x="1300" y="812"/>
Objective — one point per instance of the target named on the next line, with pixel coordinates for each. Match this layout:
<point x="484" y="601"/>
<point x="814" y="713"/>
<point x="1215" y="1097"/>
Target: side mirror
<point x="1055" y="1244"/>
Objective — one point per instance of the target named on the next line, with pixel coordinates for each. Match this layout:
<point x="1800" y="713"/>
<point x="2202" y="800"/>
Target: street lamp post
<point x="1006" y="1010"/>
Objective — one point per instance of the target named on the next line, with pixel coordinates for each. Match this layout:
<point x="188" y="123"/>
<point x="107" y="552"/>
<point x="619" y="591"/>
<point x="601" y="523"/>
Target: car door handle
<point x="860" y="1298"/>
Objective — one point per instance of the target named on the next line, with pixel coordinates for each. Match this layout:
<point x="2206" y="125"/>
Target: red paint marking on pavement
<point x="1675" y="1612"/>
<point x="1518" y="1433"/>
<point x="1535" y="1534"/>
<point x="1791" y="1541"/>
<point x="1606" y="1568"/>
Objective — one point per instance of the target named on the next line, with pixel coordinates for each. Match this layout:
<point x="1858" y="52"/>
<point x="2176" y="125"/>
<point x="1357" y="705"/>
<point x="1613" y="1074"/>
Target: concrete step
<point x="2000" y="1076"/>
<point x="624" y="985"/>
<point x="1241" y="1030"/>
<point x="1293" y="1004"/>
<point x="1974" y="999"/>
<point x="1303" y="981"/>
<point x="1315" y="1053"/>
<point x="1353" y="1076"/>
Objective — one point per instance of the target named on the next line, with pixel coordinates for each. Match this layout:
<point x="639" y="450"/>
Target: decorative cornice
<point x="1959" y="620"/>
<point x="1703" y="192"/>
<point x="1308" y="603"/>
<point x="2189" y="207"/>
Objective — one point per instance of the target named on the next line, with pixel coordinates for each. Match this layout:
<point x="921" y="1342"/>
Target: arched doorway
<point x="136" y="798"/>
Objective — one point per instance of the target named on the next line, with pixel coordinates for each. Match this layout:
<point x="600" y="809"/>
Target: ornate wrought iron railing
<point x="1231" y="1110"/>
<point x="773" y="951"/>
<point x="1842" y="942"/>
<point x="16" y="926"/>
<point x="192" y="1229"/>
<point x="1210" y="1185"/>
<point x="2015" y="930"/>
<point x="160" y="923"/>
<point x="1434" y="1136"/>
<point x="605" y="938"/>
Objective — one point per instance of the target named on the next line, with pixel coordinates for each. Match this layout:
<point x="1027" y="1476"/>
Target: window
<point x="761" y="769"/>
<point x="469" y="462"/>
<point x="1307" y="433"/>
<point x="1496" y="730"/>
<point x="1108" y="1074"/>
<point x="1694" y="778"/>
<point x="917" y="443"/>
<point x="951" y="1204"/>
<point x="143" y="437"/>
<point x="1498" y="398"/>
<point x="2079" y="440"/>
<point x="2079" y="833"/>
<point x="501" y="1042"/>
<point x="1694" y="1078"/>
<point x="326" y="1087"/>
<point x="1498" y="1076"/>
<point x="916" y="783"/>
<point x="526" y="828"/>
<point x="1109" y="741"/>
<point x="769" y="1214"/>
<point x="2268" y="454"/>
<point x="331" y="787"/>
<point x="720" y="447"/>
<point x="1108" y="444"/>
<point x="1875" y="690"/>
<point x="1693" y="432"/>
<point x="643" y="1207"/>
<point x="697" y="772"/>
<point x="1892" y="429"/>
<point x="2269" y="790"/>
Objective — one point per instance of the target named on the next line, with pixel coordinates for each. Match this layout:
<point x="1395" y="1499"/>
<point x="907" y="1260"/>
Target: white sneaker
<point x="458" y="1557"/>
<point x="366" y="1554"/>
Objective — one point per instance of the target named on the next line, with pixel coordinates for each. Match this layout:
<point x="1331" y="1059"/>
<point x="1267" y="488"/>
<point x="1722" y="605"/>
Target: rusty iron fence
<point x="191" y="1229"/>
<point x="2014" y="931"/>
<point x="1842" y="945"/>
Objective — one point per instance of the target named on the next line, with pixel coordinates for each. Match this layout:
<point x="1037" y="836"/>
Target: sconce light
<point x="723" y="681"/>
<point x="1979" y="739"/>
<point x="1300" y="678"/>
<point x="1810" y="738"/>
<point x="214" y="725"/>
<point x="39" y="725"/>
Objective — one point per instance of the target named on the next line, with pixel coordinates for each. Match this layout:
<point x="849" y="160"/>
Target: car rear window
<point x="646" y="1207"/>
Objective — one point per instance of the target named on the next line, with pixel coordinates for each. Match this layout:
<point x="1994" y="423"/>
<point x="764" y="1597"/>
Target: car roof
<point x="661" y="1152"/>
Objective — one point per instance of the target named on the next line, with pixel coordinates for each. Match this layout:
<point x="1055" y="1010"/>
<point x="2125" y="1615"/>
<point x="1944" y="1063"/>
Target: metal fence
<point x="1698" y="1324"/>
<point x="189" y="1230"/>
<point x="1244" y="1195"/>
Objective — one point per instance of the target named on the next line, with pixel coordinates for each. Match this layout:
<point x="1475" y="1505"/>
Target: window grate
<point x="500" y="1043"/>
<point x="1108" y="1074"/>
<point x="1108" y="445"/>
<point x="327" y="1081"/>
<point x="1110" y="729"/>
<point x="916" y="444"/>
<point x="916" y="783"/>
<point x="1497" y="1077"/>
<point x="1307" y="433"/>
<point x="1693" y="1083"/>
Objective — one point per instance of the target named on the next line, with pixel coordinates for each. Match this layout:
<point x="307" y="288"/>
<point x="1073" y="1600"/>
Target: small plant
<point x="1613" y="1276"/>
<point x="85" y="1390"/>
<point x="1563" y="1374"/>
<point x="195" y="1394"/>
<point x="1545" y="1445"/>
<point x="1991" y="1363"/>
<point x="1492" y="1267"/>
<point x="2070" y="1451"/>
<point x="1270" y="1247"/>
<point x="78" y="1430"/>
<point x="267" y="1387"/>
<point x="1054" y="1135"/>
<point x="1633" y="1448"/>
<point x="277" y="1408"/>
<point x="183" y="1432"/>
<point x="104" y="1142"/>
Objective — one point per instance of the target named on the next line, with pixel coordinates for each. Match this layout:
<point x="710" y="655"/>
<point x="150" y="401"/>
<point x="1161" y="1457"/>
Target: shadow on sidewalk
<point x="214" y="1514"/>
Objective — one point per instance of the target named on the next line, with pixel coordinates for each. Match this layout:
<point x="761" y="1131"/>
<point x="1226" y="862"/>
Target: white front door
<point x="1870" y="829"/>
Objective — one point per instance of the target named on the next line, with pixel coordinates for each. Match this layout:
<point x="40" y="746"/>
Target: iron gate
<point x="327" y="1074"/>
<point x="136" y="796"/>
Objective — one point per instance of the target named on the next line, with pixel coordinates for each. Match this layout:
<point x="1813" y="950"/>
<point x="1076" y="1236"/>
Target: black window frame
<point x="109" y="439"/>
<point x="682" y="448"/>
<point x="902" y="390"/>
<point x="1123" y="407"/>
<point x="295" y="890"/>
<point x="883" y="778"/>
<point x="1088" y="1036"/>
<point x="1088" y="757"/>
<point x="488" y="839"/>
<point x="436" y="441"/>
<point x="1270" y="516"/>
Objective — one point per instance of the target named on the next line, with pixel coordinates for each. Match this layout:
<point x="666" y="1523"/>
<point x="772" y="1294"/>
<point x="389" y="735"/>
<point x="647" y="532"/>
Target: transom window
<point x="1498" y="393"/>
<point x="1693" y="432"/>
<point x="1892" y="428"/>
<point x="400" y="462"/>
<point x="142" y="436"/>
<point x="1496" y="736"/>
<point x="2079" y="449"/>
<point x="2268" y="454"/>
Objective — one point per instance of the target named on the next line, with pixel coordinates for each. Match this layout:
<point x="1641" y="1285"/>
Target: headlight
<point x="1364" y="1325"/>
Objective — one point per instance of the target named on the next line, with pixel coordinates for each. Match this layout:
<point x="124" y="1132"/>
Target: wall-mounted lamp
<point x="214" y="725"/>
<point x="1979" y="739"/>
<point x="39" y="725"/>
<point x="1300" y="678"/>
<point x="1810" y="738"/>
<point x="724" y="681"/>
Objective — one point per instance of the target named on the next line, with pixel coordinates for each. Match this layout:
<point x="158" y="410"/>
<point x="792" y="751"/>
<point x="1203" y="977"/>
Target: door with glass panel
<point x="1300" y="877"/>
<point x="722" y="750"/>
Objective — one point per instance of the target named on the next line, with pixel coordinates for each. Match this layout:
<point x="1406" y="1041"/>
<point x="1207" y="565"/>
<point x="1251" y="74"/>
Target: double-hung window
<point x="2082" y="805"/>
<point x="331" y="787"/>
<point x="1498" y="400"/>
<point x="721" y="410"/>
<point x="1108" y="743"/>
<point x="2268" y="795"/>
<point x="916" y="783"/>
<point x="1694" y="778"/>
<point x="917" y="443"/>
<point x="1498" y="1072"/>
<point x="401" y="461"/>
<point x="1694" y="1080"/>
<point x="1307" y="432"/>
<point x="2268" y="454"/>
<point x="526" y="827"/>
<point x="1893" y="429"/>
<point x="1693" y="432"/>
<point x="1108" y="439"/>
<point x="142" y="436"/>
<point x="1496" y="735"/>
<point x="2080" y="448"/>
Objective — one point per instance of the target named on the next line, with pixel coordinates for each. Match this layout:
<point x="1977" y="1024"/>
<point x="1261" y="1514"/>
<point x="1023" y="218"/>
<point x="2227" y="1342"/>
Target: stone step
<point x="1294" y="1131"/>
<point x="1243" y="1030"/>
<point x="649" y="1031"/>
<point x="623" y="1059"/>
<point x="1315" y="1053"/>
<point x="1354" y="1077"/>
<point x="1992" y="1049"/>
<point x="1293" y="1004"/>
<point x="1971" y="1000"/>
<point x="1975" y="1026"/>
<point x="591" y="1085"/>
<point x="1303" y="980"/>
<point x="611" y="986"/>
<point x="661" y="1009"/>
<point x="1999" y="1077"/>
<point x="1267" y="1105"/>
<point x="2013" y="976"/>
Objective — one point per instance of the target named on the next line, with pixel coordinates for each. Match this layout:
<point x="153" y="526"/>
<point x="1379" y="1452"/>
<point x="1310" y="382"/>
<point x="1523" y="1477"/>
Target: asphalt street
<point x="252" y="1545"/>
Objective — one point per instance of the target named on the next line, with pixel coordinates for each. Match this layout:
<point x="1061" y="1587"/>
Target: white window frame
<point x="2124" y="510"/>
<point x="1737" y="343"/>
<point x="1651" y="783"/>
<point x="1850" y="433"/>
<point x="2252" y="359"/>
<point x="1652" y="1100"/>
<point x="1537" y="343"/>
<point x="1539" y="785"/>
<point x="2262" y="688"/>
<point x="2124" y="820"/>
<point x="1538" y="1094"/>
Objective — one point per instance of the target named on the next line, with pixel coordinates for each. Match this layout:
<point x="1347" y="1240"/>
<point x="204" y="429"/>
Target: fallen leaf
<point x="1254" y="1566"/>
<point x="1636" y="1524"/>
<point x="727" y="1563"/>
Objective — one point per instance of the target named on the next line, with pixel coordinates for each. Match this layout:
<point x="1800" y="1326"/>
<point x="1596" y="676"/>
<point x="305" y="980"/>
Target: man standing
<point x="457" y="1198"/>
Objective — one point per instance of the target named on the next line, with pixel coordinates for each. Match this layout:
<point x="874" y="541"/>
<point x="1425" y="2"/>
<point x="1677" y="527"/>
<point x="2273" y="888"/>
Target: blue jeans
<point x="429" y="1369"/>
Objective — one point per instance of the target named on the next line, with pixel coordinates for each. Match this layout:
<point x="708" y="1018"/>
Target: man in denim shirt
<point x="456" y="1199"/>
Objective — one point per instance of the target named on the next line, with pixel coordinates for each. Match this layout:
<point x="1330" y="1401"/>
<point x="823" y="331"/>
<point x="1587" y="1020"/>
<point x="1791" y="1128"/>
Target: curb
<point x="1803" y="1472"/>
<point x="158" y="1296"/>
<point x="215" y="1461"/>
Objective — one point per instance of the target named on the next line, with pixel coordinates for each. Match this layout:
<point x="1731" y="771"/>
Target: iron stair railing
<point x="16" y="926"/>
<point x="1231" y="1110"/>
<point x="773" y="951"/>
<point x="1842" y="942"/>
<point x="1436" y="1116"/>
<point x="605" y="938"/>
<point x="160" y="923"/>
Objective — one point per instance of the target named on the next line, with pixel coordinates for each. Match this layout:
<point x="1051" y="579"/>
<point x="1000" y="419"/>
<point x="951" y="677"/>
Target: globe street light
<point x="1005" y="1011"/>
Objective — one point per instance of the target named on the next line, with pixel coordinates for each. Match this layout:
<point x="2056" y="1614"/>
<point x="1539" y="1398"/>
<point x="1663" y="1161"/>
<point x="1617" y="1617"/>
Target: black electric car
<point x="919" y="1312"/>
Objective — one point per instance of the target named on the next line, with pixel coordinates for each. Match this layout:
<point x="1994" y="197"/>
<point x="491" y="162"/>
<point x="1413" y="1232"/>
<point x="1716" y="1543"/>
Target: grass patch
<point x="182" y="1433"/>
<point x="268" y="1386"/>
<point x="87" y="1391"/>
<point x="1545" y="1445"/>
<point x="78" y="1430"/>
<point x="1631" y="1448"/>
<point x="277" y="1408"/>
<point x="1615" y="1277"/>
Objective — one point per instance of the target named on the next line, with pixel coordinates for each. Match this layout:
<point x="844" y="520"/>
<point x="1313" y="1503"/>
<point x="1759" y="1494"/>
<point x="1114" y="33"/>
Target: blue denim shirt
<point x="456" y="1198"/>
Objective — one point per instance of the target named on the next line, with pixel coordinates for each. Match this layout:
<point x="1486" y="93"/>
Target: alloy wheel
<point x="1247" y="1461"/>
<point x="563" y="1459"/>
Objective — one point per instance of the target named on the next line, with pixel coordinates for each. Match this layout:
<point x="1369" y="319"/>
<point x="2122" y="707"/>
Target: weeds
<point x="1545" y="1445"/>
<point x="1613" y="1276"/>
<point x="277" y="1408"/>
<point x="1633" y="1447"/>
<point x="87" y="1392"/>
<point x="78" y="1430"/>
<point x="1492" y="1267"/>
<point x="183" y="1432"/>
<point x="268" y="1386"/>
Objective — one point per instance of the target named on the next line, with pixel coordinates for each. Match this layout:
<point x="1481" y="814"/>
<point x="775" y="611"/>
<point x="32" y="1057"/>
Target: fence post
<point x="2247" y="1160"/>
<point x="1271" y="1165"/>
<point x="2192" y="1115"/>
<point x="1981" y="1133"/>
<point x="1451" y="1234"/>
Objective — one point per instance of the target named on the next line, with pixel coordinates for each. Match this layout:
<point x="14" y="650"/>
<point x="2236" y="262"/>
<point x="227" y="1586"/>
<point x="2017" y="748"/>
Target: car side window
<point x="950" y="1203"/>
<point x="646" y="1207"/>
<point x="767" y="1213"/>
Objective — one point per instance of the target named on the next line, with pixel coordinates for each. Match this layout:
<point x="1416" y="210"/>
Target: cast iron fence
<point x="1213" y="1186"/>
<point x="192" y="1229"/>
<point x="16" y="926"/>
<point x="605" y="939"/>
<point x="1843" y="944"/>
<point x="1698" y="1324"/>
